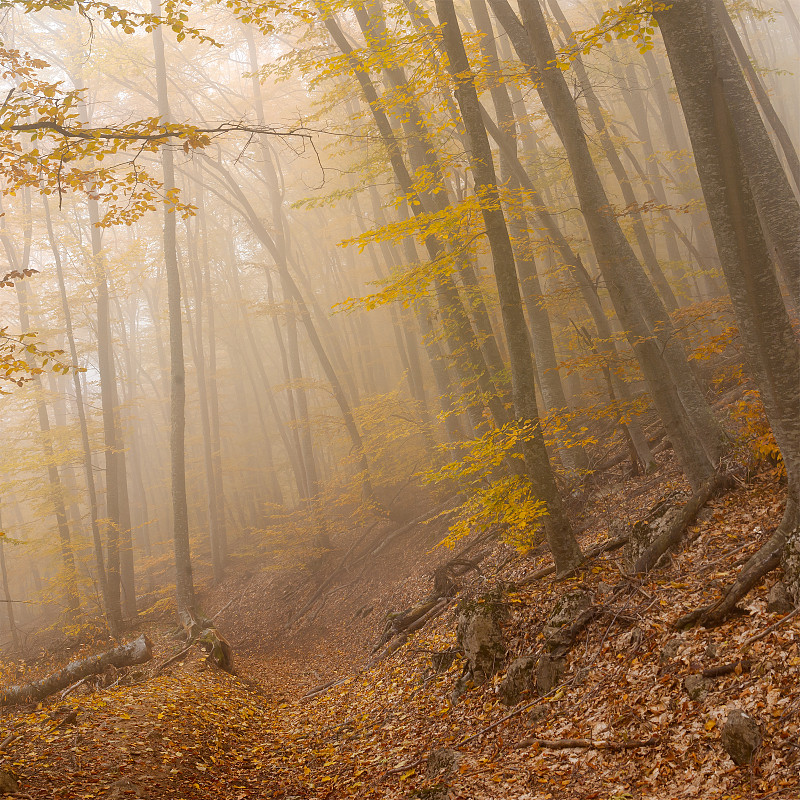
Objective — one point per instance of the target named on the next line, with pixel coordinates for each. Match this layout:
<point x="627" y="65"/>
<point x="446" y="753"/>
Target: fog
<point x="281" y="311"/>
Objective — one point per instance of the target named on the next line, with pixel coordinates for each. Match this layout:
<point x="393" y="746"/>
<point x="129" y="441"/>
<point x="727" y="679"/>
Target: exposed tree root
<point x="763" y="561"/>
<point x="125" y="655"/>
<point x="674" y="533"/>
<point x="597" y="550"/>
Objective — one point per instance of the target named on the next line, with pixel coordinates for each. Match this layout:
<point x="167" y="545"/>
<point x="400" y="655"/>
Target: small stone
<point x="517" y="680"/>
<point x="8" y="783"/>
<point x="741" y="737"/>
<point x="442" y="762"/>
<point x="670" y="650"/>
<point x="778" y="600"/>
<point x="696" y="686"/>
<point x="549" y="671"/>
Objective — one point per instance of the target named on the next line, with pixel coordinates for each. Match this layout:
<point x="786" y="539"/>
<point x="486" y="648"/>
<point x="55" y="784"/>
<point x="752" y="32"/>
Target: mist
<point x="341" y="297"/>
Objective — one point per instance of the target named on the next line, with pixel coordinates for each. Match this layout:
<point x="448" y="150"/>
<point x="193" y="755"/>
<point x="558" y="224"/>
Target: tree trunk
<point x="12" y="622"/>
<point x="138" y="651"/>
<point x="776" y="203"/>
<point x="693" y="430"/>
<point x="770" y="346"/>
<point x="180" y="512"/>
<point x="112" y="616"/>
<point x="563" y="545"/>
<point x="574" y="457"/>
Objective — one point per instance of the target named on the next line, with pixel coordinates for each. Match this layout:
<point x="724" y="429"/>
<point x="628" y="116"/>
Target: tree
<point x="771" y="347"/>
<point x="562" y="543"/>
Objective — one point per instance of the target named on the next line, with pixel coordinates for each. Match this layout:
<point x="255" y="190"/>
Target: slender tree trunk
<point x="563" y="545"/>
<point x="692" y="427"/>
<point x="112" y="620"/>
<point x="553" y="395"/>
<point x="180" y="512"/>
<point x="467" y="356"/>
<point x="541" y="202"/>
<point x="12" y="622"/>
<point x="776" y="202"/>
<point x="198" y="350"/>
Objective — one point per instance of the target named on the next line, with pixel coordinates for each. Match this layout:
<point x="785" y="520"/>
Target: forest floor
<point x="191" y="731"/>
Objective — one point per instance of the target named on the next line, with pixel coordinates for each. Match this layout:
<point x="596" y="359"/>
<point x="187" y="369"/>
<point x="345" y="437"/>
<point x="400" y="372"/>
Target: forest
<point x="400" y="399"/>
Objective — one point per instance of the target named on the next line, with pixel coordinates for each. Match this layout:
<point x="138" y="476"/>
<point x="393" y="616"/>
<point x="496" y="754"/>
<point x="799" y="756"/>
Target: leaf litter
<point x="193" y="732"/>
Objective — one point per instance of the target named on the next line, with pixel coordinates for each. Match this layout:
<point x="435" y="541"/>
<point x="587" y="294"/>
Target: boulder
<point x="8" y="783"/>
<point x="741" y="737"/>
<point x="517" y="680"/>
<point x="644" y="532"/>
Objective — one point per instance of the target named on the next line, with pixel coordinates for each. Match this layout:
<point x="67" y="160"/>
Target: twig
<point x="772" y="627"/>
<point x="325" y="686"/>
<point x="173" y="659"/>
<point x="224" y="608"/>
<point x="72" y="688"/>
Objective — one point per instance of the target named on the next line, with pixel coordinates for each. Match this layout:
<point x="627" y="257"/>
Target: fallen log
<point x="125" y="655"/>
<point x="590" y="744"/>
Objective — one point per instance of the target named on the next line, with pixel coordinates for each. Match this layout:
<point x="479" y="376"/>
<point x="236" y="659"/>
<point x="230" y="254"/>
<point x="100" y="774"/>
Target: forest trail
<point x="194" y="732"/>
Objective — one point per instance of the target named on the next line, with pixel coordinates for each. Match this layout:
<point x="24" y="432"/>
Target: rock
<point x="778" y="599"/>
<point x="441" y="763"/>
<point x="741" y="737"/>
<point x="557" y="634"/>
<point x="438" y="792"/>
<point x="517" y="680"/>
<point x="696" y="686"/>
<point x="670" y="650"/>
<point x="480" y="636"/>
<point x="549" y="671"/>
<point x="8" y="783"/>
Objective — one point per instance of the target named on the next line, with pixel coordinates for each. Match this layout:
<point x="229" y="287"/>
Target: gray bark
<point x="771" y="349"/>
<point x="180" y="513"/>
<point x="563" y="545"/>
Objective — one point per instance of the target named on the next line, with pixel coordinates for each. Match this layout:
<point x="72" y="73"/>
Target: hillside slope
<point x="308" y="717"/>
